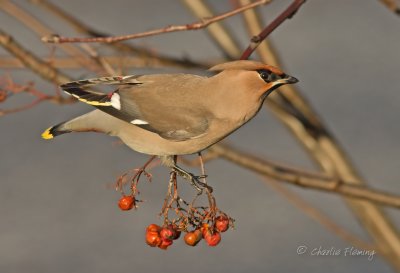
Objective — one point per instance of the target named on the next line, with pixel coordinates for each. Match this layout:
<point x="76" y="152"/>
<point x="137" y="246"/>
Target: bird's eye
<point x="267" y="76"/>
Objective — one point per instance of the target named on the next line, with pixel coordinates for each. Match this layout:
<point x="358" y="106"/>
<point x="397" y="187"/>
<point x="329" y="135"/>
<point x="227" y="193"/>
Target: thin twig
<point x="286" y="14"/>
<point x="287" y="94"/>
<point x="148" y="57"/>
<point x="38" y="66"/>
<point x="8" y="87"/>
<point x="24" y="107"/>
<point x="7" y="62"/>
<point x="254" y="25"/>
<point x="173" y="28"/>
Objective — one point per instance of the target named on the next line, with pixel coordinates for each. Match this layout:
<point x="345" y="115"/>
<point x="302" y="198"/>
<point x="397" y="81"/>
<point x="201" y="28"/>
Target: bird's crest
<point x="245" y="65"/>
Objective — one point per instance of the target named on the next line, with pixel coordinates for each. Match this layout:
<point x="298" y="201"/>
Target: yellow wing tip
<point x="47" y="135"/>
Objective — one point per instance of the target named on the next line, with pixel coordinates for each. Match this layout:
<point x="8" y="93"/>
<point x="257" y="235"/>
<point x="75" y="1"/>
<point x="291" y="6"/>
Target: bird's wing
<point x="163" y="104"/>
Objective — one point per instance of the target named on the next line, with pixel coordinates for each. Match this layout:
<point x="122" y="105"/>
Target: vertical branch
<point x="253" y="25"/>
<point x="218" y="32"/>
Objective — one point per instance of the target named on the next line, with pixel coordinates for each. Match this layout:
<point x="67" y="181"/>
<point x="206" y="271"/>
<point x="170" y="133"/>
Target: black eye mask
<point x="268" y="76"/>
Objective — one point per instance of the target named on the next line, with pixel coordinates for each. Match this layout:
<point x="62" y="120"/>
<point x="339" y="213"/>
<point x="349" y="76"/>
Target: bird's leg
<point x="170" y="161"/>
<point x="194" y="180"/>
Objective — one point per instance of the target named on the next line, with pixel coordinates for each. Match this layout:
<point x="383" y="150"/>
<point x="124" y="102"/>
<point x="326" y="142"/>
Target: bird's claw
<point x="194" y="180"/>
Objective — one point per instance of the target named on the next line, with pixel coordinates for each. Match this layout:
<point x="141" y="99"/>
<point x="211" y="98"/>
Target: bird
<point x="168" y="115"/>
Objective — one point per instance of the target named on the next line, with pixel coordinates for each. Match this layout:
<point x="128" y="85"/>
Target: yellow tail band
<point x="47" y="135"/>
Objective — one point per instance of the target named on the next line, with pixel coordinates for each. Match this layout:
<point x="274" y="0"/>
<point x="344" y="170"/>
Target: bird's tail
<point x="55" y="131"/>
<point x="95" y="121"/>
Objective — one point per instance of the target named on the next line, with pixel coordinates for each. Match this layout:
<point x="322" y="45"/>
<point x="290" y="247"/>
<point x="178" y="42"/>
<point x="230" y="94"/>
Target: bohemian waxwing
<point x="174" y="114"/>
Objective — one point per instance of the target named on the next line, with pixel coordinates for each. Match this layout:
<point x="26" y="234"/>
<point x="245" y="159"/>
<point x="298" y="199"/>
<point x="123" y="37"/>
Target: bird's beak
<point x="288" y="80"/>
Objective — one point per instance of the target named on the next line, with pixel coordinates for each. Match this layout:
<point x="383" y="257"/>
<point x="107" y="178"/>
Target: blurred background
<point x="59" y="214"/>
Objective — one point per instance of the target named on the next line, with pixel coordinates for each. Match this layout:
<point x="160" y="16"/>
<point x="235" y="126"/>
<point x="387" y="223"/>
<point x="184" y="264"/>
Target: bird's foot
<point x="193" y="179"/>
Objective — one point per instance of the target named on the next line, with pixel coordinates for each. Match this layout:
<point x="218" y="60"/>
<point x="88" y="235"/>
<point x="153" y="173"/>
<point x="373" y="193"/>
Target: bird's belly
<point x="146" y="142"/>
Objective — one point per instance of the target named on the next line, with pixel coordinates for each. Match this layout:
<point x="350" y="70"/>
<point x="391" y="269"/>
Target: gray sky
<point x="57" y="214"/>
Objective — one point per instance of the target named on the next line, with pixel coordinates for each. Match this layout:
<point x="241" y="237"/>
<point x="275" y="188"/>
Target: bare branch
<point x="38" y="66"/>
<point x="173" y="28"/>
<point x="125" y="61"/>
<point x="39" y="28"/>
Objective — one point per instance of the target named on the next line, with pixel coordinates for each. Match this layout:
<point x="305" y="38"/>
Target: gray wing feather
<point x="163" y="109"/>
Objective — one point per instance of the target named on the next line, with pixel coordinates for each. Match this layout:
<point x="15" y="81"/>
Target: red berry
<point x="126" y="202"/>
<point x="205" y="230"/>
<point x="165" y="243"/>
<point x="153" y="239"/>
<point x="153" y="228"/>
<point x="192" y="238"/>
<point x="213" y="239"/>
<point x="3" y="95"/>
<point x="222" y="223"/>
<point x="177" y="233"/>
<point x="167" y="233"/>
<point x="175" y="230"/>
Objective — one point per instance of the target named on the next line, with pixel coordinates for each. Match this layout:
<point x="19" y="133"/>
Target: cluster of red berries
<point x="163" y="237"/>
<point x="210" y="230"/>
<point x="211" y="234"/>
